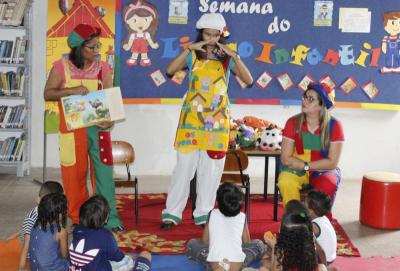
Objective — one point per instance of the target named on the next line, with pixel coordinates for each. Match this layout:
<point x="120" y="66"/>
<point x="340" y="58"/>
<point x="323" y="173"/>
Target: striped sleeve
<point x="29" y="221"/>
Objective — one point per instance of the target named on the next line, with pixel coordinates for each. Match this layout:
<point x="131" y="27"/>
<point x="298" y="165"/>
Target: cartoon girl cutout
<point x="141" y="19"/>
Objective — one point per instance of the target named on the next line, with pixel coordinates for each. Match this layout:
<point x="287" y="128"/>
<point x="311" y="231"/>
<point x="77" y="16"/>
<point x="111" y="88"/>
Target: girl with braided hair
<point x="295" y="247"/>
<point x="48" y="247"/>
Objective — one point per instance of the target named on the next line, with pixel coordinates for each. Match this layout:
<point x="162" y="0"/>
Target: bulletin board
<point x="279" y="39"/>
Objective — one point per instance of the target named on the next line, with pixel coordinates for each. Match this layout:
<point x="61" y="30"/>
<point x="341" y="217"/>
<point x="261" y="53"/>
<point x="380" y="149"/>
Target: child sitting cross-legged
<point x="94" y="248"/>
<point x="226" y="243"/>
<point x="29" y="221"/>
<point x="319" y="204"/>
<point x="294" y="248"/>
<point x="48" y="246"/>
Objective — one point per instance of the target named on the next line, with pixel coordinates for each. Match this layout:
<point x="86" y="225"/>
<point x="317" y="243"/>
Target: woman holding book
<point x="80" y="74"/>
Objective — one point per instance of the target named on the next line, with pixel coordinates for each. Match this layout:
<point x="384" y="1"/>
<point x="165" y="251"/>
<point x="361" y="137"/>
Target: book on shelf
<point x="12" y="148"/>
<point x="12" y="116"/>
<point x="97" y="106"/>
<point x="13" y="51"/>
<point x="13" y="123"/>
<point x="12" y="12"/>
<point x="21" y="120"/>
<point x="3" y="146"/>
<point x="3" y="109"/>
<point x="6" y="117"/>
<point x="12" y="82"/>
<point x="8" y="143"/>
<point x="22" y="50"/>
<point x="20" y="151"/>
<point x="21" y="81"/>
<point x="3" y="7"/>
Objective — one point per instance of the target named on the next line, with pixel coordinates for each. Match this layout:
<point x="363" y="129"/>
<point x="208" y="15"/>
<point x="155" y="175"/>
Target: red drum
<point x="380" y="200"/>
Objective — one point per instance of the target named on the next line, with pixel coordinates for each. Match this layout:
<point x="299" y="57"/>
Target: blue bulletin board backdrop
<point x="249" y="31"/>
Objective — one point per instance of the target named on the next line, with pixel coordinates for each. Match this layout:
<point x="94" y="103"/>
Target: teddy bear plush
<point x="270" y="139"/>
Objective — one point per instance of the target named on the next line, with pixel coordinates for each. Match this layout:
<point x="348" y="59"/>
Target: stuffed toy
<point x="246" y="130"/>
<point x="270" y="140"/>
<point x="257" y="123"/>
<point x="246" y="138"/>
<point x="245" y="142"/>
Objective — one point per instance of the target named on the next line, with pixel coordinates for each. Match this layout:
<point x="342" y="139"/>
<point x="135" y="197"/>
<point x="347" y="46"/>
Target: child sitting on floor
<point x="319" y="204"/>
<point x="297" y="207"/>
<point x="30" y="220"/>
<point x="94" y="248"/>
<point x="294" y="248"/>
<point x="226" y="243"/>
<point x="48" y="246"/>
<point x="31" y="217"/>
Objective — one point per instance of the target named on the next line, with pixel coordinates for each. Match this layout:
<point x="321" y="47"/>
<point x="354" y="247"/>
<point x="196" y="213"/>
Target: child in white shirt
<point x="319" y="204"/>
<point x="226" y="243"/>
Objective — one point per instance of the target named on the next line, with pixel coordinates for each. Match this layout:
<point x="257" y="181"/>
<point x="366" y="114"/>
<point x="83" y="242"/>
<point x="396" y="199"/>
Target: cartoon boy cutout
<point x="391" y="43"/>
<point x="141" y="19"/>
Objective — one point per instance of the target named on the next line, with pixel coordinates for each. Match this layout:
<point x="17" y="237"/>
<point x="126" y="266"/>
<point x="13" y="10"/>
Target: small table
<point x="267" y="154"/>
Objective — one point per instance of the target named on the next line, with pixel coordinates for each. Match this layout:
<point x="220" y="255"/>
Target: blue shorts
<point x="142" y="264"/>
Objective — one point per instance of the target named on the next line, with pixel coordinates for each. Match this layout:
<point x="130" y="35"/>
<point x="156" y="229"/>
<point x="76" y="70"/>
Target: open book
<point x="97" y="106"/>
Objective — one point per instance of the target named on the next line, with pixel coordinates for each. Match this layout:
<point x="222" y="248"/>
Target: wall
<point x="371" y="135"/>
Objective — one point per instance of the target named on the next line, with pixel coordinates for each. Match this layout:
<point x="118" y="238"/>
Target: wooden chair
<point x="236" y="163"/>
<point x="124" y="154"/>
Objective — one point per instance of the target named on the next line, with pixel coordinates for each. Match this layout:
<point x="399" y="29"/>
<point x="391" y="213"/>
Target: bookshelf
<point x="15" y="86"/>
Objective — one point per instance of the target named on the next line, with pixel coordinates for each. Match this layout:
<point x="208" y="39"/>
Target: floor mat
<point x="179" y="263"/>
<point x="367" y="264"/>
<point x="9" y="255"/>
<point x="149" y="236"/>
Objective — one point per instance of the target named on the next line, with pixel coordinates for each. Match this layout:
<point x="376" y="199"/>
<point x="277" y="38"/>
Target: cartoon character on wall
<point x="391" y="43"/>
<point x="141" y="19"/>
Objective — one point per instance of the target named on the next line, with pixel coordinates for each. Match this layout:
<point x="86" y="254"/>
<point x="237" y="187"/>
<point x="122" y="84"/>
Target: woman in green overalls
<point x="203" y="130"/>
<point x="85" y="151"/>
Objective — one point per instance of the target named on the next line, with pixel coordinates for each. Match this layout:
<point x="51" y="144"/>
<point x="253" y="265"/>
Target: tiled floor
<point x="17" y="196"/>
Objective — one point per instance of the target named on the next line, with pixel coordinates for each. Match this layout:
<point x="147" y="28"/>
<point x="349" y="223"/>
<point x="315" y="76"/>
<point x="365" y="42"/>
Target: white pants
<point x="209" y="172"/>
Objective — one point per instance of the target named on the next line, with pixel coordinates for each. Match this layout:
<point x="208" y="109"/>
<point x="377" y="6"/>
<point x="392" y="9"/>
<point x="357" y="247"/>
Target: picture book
<point x="97" y="106"/>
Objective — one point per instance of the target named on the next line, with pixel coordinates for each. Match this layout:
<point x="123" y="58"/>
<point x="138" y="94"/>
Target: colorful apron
<point x="75" y="148"/>
<point x="204" y="119"/>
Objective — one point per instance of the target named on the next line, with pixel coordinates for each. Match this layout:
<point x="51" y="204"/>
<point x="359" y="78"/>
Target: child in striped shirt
<point x="30" y="220"/>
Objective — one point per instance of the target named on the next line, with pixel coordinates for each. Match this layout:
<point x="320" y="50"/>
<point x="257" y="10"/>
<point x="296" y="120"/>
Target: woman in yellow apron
<point x="203" y="130"/>
<point x="83" y="148"/>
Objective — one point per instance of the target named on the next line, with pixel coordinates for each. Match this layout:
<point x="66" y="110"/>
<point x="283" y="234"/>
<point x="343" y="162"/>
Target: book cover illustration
<point x="88" y="110"/>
